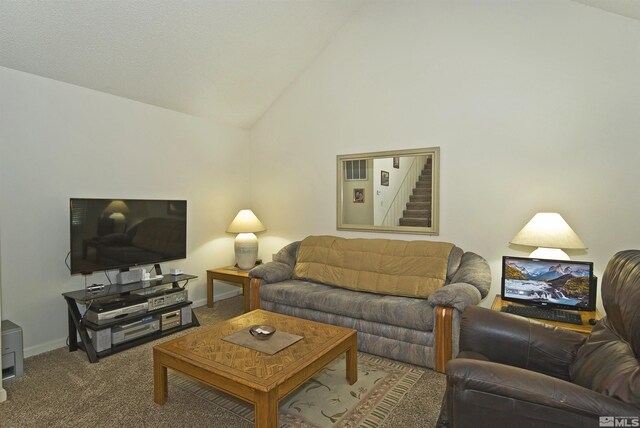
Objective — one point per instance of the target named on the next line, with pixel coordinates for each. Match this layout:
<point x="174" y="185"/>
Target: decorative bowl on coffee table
<point x="262" y="332"/>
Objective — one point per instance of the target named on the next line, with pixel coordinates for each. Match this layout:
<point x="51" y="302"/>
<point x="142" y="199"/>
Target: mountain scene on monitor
<point x="547" y="281"/>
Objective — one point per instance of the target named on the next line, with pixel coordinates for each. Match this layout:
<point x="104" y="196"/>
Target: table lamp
<point x="245" y="224"/>
<point x="551" y="234"/>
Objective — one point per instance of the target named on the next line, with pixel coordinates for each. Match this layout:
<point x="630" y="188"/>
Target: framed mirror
<point x="391" y="191"/>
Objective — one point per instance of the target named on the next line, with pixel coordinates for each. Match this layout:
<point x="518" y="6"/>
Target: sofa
<point x="403" y="297"/>
<point x="514" y="371"/>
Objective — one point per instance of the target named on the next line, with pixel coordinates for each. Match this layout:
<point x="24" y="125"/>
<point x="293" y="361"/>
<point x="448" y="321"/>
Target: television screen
<point x="120" y="233"/>
<point x="560" y="284"/>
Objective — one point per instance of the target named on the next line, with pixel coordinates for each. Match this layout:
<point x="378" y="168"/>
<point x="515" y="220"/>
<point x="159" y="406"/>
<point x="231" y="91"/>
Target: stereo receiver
<point x="166" y="298"/>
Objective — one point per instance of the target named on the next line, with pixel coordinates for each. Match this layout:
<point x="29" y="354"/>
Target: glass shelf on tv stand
<point x="109" y="290"/>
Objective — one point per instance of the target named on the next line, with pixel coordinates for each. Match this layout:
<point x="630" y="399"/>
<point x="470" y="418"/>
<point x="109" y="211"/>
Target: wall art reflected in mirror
<point x="392" y="191"/>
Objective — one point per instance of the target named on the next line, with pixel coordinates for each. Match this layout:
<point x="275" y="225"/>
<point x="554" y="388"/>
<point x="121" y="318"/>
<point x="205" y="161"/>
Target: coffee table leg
<point x="159" y="381"/>
<point x="352" y="361"/>
<point x="266" y="410"/>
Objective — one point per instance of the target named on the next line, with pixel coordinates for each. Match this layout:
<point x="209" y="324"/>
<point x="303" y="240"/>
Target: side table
<point x="232" y="275"/>
<point x="585" y="328"/>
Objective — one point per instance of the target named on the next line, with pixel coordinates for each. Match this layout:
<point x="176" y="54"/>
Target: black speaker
<point x="158" y="270"/>
<point x="592" y="293"/>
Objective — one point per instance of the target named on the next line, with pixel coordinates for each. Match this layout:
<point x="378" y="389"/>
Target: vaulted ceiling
<point x="228" y="60"/>
<point x="222" y="59"/>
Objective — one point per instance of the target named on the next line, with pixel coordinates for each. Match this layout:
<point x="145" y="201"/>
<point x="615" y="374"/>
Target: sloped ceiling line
<point x="218" y="59"/>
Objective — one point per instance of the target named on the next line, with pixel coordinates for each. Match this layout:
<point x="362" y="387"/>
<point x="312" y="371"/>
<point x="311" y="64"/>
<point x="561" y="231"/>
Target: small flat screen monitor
<point x="562" y="284"/>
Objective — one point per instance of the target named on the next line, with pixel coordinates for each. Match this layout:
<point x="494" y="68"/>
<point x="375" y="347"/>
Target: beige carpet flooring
<point x="62" y="389"/>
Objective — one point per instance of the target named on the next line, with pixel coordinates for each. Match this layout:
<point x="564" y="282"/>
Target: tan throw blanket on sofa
<point x="384" y="266"/>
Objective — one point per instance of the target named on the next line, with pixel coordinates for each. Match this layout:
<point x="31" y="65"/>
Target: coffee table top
<point x="206" y="350"/>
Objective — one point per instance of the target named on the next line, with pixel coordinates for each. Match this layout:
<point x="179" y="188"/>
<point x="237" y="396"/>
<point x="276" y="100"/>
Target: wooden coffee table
<point x="253" y="376"/>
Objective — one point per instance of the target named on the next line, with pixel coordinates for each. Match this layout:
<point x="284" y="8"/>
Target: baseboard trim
<point x="45" y="347"/>
<point x="219" y="296"/>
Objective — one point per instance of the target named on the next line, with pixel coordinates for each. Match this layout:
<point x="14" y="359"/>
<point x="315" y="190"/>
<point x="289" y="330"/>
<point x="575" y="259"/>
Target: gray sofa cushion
<point x="406" y="312"/>
<point x="454" y="262"/>
<point x="287" y="255"/>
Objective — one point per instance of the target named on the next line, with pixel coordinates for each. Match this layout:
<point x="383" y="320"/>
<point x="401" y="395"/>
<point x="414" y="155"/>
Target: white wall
<point x="61" y="141"/>
<point x="535" y="106"/>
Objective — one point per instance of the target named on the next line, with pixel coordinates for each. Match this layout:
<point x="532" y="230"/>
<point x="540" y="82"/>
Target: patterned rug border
<point x="371" y="410"/>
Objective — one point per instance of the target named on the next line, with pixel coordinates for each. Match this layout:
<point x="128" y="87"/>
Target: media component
<point x="170" y="319"/>
<point x="118" y="307"/>
<point x="123" y="233"/>
<point x="125" y="332"/>
<point x="164" y="298"/>
<point x="561" y="284"/>
<point x="129" y="276"/>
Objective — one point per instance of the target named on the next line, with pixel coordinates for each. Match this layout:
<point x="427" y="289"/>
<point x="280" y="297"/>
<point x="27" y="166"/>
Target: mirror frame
<point x="435" y="191"/>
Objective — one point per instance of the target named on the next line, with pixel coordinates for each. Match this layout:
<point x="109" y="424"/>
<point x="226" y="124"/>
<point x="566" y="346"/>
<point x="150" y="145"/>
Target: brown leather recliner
<point x="515" y="372"/>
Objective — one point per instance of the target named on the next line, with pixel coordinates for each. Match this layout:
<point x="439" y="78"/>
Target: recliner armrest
<point x="502" y="387"/>
<point x="518" y="341"/>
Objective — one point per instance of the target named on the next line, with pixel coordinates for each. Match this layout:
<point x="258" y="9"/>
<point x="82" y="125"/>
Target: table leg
<point x="247" y="295"/>
<point x="266" y="410"/>
<point x="159" y="381"/>
<point x="352" y="361"/>
<point x="209" y="289"/>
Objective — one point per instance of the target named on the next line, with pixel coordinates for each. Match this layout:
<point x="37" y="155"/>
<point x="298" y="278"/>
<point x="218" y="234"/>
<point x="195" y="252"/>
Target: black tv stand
<point x="80" y="326"/>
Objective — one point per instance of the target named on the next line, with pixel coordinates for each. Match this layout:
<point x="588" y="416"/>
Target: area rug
<point x="327" y="400"/>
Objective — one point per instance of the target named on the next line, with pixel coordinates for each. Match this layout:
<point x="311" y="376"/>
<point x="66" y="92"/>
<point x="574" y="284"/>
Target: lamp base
<point x="549" y="253"/>
<point x="246" y="248"/>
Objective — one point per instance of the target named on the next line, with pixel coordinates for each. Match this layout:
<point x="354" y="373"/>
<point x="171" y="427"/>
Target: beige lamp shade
<point x="549" y="231"/>
<point x="245" y="224"/>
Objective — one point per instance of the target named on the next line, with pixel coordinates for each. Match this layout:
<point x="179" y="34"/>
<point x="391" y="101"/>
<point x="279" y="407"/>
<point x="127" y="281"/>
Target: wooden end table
<point x="230" y="274"/>
<point x="584" y="328"/>
<point x="253" y="376"/>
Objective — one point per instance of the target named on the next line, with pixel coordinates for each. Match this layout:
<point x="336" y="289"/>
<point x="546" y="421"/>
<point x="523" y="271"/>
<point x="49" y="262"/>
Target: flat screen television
<point x="110" y="234"/>
<point x="561" y="284"/>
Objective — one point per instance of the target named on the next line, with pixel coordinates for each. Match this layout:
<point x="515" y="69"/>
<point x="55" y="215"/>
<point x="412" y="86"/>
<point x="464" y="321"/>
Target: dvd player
<point x="119" y="307"/>
<point x="143" y="327"/>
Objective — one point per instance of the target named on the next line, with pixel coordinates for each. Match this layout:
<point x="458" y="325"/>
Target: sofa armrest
<point x="469" y="285"/>
<point x="474" y="270"/>
<point x="458" y="296"/>
<point x="518" y="341"/>
<point x="448" y="302"/>
<point x="266" y="273"/>
<point x="504" y="388"/>
<point x="272" y="272"/>
<point x="445" y="333"/>
<point x="254" y="293"/>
